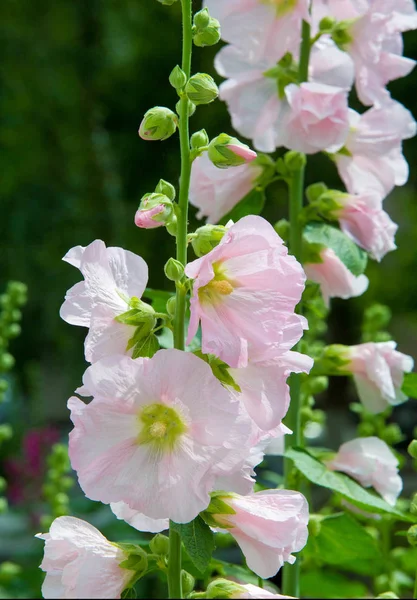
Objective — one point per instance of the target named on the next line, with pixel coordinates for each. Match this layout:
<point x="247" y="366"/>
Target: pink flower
<point x="145" y="218"/>
<point x="76" y="557"/>
<point x="154" y="433"/>
<point x="378" y="371"/>
<point x="244" y="294"/>
<point x="216" y="191"/>
<point x="138" y="520"/>
<point x="371" y="462"/>
<point x="226" y="588"/>
<point x="268" y="526"/>
<point x="261" y="28"/>
<point x="363" y="219"/>
<point x="253" y="591"/>
<point x="335" y="279"/>
<point x="112" y="276"/>
<point x="315" y="118"/>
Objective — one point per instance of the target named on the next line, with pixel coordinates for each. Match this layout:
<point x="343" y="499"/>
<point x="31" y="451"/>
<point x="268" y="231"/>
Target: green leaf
<point x="198" y="540"/>
<point x="345" y="543"/>
<point x="241" y="574"/>
<point x="329" y="584"/>
<point x="251" y="204"/>
<point x="318" y="473"/>
<point x="159" y="298"/>
<point x="353" y="257"/>
<point x="409" y="386"/>
<point x="146" y="347"/>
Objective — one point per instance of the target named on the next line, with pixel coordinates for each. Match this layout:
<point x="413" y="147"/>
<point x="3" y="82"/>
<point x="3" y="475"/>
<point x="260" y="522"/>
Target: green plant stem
<point x="415" y="586"/>
<point x="174" y="561"/>
<point x="291" y="573"/>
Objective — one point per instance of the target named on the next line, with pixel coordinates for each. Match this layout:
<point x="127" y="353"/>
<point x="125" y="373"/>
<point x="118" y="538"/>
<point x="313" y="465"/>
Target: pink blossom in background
<point x="261" y="27"/>
<point x="371" y="462"/>
<point x="155" y="433"/>
<point x="268" y="526"/>
<point x="374" y="159"/>
<point x="363" y="219"/>
<point x="254" y="592"/>
<point x="75" y="558"/>
<point x="330" y="65"/>
<point x="244" y="294"/>
<point x="138" y="520"/>
<point x="144" y="218"/>
<point x="315" y="118"/>
<point x="378" y="371"/>
<point x="216" y="191"/>
<point x="227" y="588"/>
<point x="334" y="278"/>
<point x="111" y="277"/>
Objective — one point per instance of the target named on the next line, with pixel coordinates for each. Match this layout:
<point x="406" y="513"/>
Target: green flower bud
<point x="6" y="432"/>
<point x="7" y="361"/>
<point x="377" y="316"/>
<point x="155" y="210"/>
<point x="3" y="484"/>
<point x="171" y="306"/>
<point x="201" y="89"/>
<point x="294" y="161"/>
<point x="136" y="558"/>
<point x="188" y="582"/>
<point x="3" y="505"/>
<point x="159" y="544"/>
<point x="223" y="588"/>
<point x="171" y="227"/>
<point x="225" y="151"/>
<point x="206" y="238"/>
<point x="45" y="522"/>
<point x="206" y="30"/>
<point x="366" y="429"/>
<point x="159" y="123"/>
<point x="412" y="535"/>
<point x="341" y="35"/>
<point x="315" y="190"/>
<point x="413" y="505"/>
<point x="327" y="24"/>
<point x="3" y="385"/>
<point x="174" y="270"/>
<point x="13" y="330"/>
<point x="177" y="78"/>
<point x="9" y="571"/>
<point x="199" y="139"/>
<point x="412" y="449"/>
<point x="314" y="525"/>
<point x="392" y="434"/>
<point x="167" y="2"/>
<point x="5" y="300"/>
<point x="16" y="315"/>
<point x="202" y="18"/>
<point x="166" y="189"/>
<point x="282" y="227"/>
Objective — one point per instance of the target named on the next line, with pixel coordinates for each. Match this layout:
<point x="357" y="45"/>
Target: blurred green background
<point x="75" y="79"/>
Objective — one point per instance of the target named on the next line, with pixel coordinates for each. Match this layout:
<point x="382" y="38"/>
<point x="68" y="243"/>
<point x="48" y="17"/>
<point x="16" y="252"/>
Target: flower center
<point x="216" y="288"/>
<point x="161" y="426"/>
<point x="282" y="6"/>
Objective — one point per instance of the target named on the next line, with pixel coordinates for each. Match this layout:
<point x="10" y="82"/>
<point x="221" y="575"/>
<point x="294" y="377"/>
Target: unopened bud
<point x="4" y="505"/>
<point x="3" y="385"/>
<point x="315" y="190"/>
<point x="174" y="270"/>
<point x="223" y="588"/>
<point x="159" y="544"/>
<point x="172" y="226"/>
<point x="199" y="139"/>
<point x="206" y="30"/>
<point x="165" y="188"/>
<point x="206" y="238"/>
<point x="6" y="432"/>
<point x="201" y="89"/>
<point x="171" y="306"/>
<point x="159" y="123"/>
<point x="155" y="210"/>
<point x="282" y="227"/>
<point x="225" y="151"/>
<point x="412" y="449"/>
<point x="413" y="505"/>
<point x="188" y="582"/>
<point x="202" y="18"/>
<point x="6" y="361"/>
<point x="412" y="535"/>
<point x="190" y="107"/>
<point x="294" y="161"/>
<point x="327" y="24"/>
<point x="177" y="78"/>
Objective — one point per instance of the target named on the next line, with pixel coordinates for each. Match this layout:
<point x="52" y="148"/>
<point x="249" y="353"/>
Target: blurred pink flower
<point x="144" y="218"/>
<point x="371" y="462"/>
<point x="244" y="294"/>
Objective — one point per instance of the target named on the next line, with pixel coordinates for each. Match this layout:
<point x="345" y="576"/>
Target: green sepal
<point x="219" y="368"/>
<point x="409" y="386"/>
<point x="198" y="540"/>
<point x="146" y="346"/>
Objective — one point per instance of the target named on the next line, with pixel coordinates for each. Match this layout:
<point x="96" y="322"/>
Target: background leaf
<point x="251" y="204"/>
<point x="329" y="584"/>
<point x="198" y="540"/>
<point x="409" y="386"/>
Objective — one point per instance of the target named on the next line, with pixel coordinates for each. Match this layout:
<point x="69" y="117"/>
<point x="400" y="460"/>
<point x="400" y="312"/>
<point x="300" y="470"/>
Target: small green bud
<point x="171" y="306"/>
<point x="17" y="289"/>
<point x="155" y="210"/>
<point x="202" y="18"/>
<point x="166" y="189"/>
<point x="13" y="330"/>
<point x="171" y="226"/>
<point x="174" y="270"/>
<point x="327" y="24"/>
<point x="201" y="89"/>
<point x="199" y="139"/>
<point x="4" y="385"/>
<point x="392" y="434"/>
<point x="377" y="316"/>
<point x="314" y="525"/>
<point x="223" y="588"/>
<point x="61" y="499"/>
<point x="46" y="522"/>
<point x="188" y="582"/>
<point x="315" y="190"/>
<point x="177" y="78"/>
<point x="191" y="107"/>
<point x="206" y="238"/>
<point x="225" y="151"/>
<point x="3" y="484"/>
<point x="206" y="30"/>
<point x="159" y="544"/>
<point x="5" y="300"/>
<point x="9" y="571"/>
<point x="3" y="505"/>
<point x="6" y="432"/>
<point x="136" y="558"/>
<point x="294" y="161"/>
<point x="159" y="123"/>
<point x="412" y="449"/>
<point x="67" y="482"/>
<point x="317" y="385"/>
<point x="413" y="505"/>
<point x="412" y="535"/>
<point x="167" y="2"/>
<point x="16" y="315"/>
<point x="282" y="227"/>
<point x="6" y="361"/>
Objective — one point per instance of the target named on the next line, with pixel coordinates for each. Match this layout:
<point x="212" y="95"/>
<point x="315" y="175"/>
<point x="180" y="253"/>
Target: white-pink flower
<point x="334" y="278"/>
<point x="145" y="218"/>
<point x="112" y="276"/>
<point x="225" y="588"/>
<point x="363" y="219"/>
<point x="216" y="191"/>
<point x="244" y="295"/>
<point x="261" y="27"/>
<point x="81" y="563"/>
<point x="268" y="526"/>
<point x="378" y="371"/>
<point x="154" y="433"/>
<point x="138" y="520"/>
<point x="371" y="462"/>
<point x="314" y="118"/>
<point x="372" y="159"/>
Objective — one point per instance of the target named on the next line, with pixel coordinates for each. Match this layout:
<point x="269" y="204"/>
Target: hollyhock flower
<point x="76" y="557"/>
<point x="216" y="191"/>
<point x="268" y="526"/>
<point x="155" y="210"/>
<point x="225" y="588"/>
<point x="259" y="27"/>
<point x="226" y="152"/>
<point x="378" y="371"/>
<point x="314" y="118"/>
<point x="138" y="520"/>
<point x="251" y="90"/>
<point x="112" y="276"/>
<point x="244" y="294"/>
<point x="153" y="440"/>
<point x="371" y="462"/>
<point x="363" y="219"/>
<point x="335" y="279"/>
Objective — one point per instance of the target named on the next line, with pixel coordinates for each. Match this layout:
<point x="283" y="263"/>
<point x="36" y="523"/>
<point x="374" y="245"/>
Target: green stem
<point x="291" y="573"/>
<point x="415" y="587"/>
<point x="174" y="562"/>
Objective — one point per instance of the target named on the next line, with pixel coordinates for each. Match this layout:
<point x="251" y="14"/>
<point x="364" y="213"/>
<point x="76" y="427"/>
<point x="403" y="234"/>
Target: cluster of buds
<point x="157" y="209"/>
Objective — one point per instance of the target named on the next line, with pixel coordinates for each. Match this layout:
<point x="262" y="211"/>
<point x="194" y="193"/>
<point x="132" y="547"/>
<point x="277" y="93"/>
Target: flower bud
<point x="4" y="505"/>
<point x="412" y="449"/>
<point x="172" y="226"/>
<point x="171" y="306"/>
<point x="190" y="106"/>
<point x="165" y="188"/>
<point x="6" y="432"/>
<point x="9" y="571"/>
<point x="206" y="238"/>
<point x="159" y="544"/>
<point x="327" y="24"/>
<point x="225" y="151"/>
<point x="177" y="78"/>
<point x="223" y="588"/>
<point x="188" y="582"/>
<point x="159" y="123"/>
<point x="6" y="361"/>
<point x="4" y="385"/>
<point x="413" y="505"/>
<point x="282" y="227"/>
<point x="412" y="535"/>
<point x="199" y="139"/>
<point x="201" y="89"/>
<point x="202" y="18"/>
<point x="294" y="161"/>
<point x="206" y="30"/>
<point x="155" y="210"/>
<point x="315" y="190"/>
<point x="174" y="270"/>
